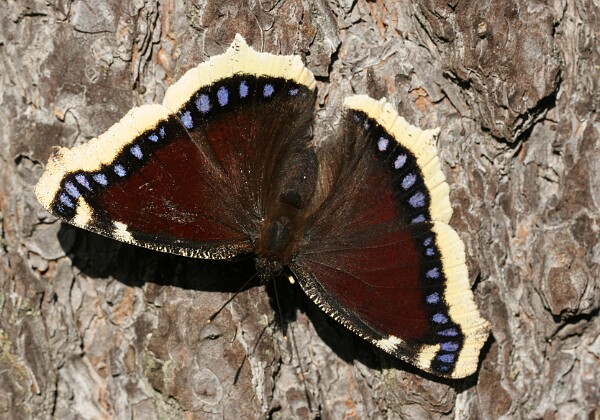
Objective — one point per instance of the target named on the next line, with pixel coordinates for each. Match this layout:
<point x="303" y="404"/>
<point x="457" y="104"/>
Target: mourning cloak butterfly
<point x="225" y="166"/>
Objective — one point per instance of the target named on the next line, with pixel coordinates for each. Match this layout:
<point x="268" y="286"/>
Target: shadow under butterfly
<point x="225" y="167"/>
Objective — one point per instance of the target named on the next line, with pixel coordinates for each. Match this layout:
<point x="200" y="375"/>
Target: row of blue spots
<point x="417" y="200"/>
<point x="203" y="104"/>
<point x="72" y="192"/>
<point x="447" y="348"/>
<point x="135" y="150"/>
<point x="432" y="273"/>
<point x="434" y="298"/>
<point x="429" y="249"/>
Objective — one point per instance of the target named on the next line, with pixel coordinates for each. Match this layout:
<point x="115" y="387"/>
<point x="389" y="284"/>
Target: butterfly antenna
<point x="213" y="316"/>
<point x="279" y="310"/>
<point x="239" y="371"/>
<point x="302" y="371"/>
<point x="294" y="346"/>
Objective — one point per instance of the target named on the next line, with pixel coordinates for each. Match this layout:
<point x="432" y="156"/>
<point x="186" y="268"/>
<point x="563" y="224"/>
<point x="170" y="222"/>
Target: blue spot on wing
<point x="64" y="198"/>
<point x="419" y="219"/>
<point x="449" y="332"/>
<point x="409" y="180"/>
<point x="243" y="89"/>
<point x="137" y="152"/>
<point x="400" y="161"/>
<point x="446" y="358"/>
<point x="268" y="90"/>
<point x="203" y="103"/>
<point x="223" y="96"/>
<point x="450" y="346"/>
<point x="72" y="190"/>
<point x="186" y="119"/>
<point x="440" y="318"/>
<point x="417" y="200"/>
<point x="120" y="170"/>
<point x="100" y="179"/>
<point x="433" y="298"/>
<point x="81" y="179"/>
<point x="382" y="144"/>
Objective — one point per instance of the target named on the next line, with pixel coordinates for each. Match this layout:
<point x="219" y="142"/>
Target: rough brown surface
<point x="90" y="328"/>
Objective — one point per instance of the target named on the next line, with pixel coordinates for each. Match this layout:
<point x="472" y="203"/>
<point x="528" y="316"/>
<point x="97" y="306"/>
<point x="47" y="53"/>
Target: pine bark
<point x="92" y="328"/>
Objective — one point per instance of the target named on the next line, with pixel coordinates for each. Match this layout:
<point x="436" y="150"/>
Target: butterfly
<point x="226" y="167"/>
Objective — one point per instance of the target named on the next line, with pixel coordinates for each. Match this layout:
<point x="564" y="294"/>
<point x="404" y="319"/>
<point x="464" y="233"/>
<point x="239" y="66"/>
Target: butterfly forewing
<point x="191" y="176"/>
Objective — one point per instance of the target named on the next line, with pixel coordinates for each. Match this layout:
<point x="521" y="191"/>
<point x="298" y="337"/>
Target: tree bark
<point x="92" y="328"/>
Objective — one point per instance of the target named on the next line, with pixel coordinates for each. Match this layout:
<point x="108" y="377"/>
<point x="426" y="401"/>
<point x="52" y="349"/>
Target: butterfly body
<point x="226" y="167"/>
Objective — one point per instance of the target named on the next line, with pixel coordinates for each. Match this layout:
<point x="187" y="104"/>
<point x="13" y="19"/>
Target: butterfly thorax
<point x="274" y="246"/>
<point x="281" y="226"/>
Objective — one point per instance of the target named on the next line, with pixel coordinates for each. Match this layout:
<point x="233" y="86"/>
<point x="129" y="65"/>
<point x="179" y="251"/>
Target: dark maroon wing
<point x="378" y="254"/>
<point x="188" y="177"/>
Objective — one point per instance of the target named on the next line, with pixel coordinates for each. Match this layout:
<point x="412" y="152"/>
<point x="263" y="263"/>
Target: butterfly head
<point x="268" y="268"/>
